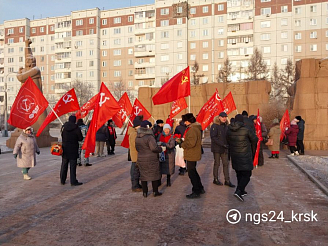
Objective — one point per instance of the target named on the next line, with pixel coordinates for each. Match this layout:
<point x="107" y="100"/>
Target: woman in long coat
<point x="25" y="150"/>
<point x="167" y="140"/>
<point x="274" y="134"/>
<point x="291" y="134"/>
<point x="148" y="161"/>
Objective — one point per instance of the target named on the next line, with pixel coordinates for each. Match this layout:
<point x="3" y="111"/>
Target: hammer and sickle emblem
<point x="26" y="107"/>
<point x="137" y="112"/>
<point x="184" y="79"/>
<point x="67" y="98"/>
<point x="101" y="101"/>
<point x="217" y="97"/>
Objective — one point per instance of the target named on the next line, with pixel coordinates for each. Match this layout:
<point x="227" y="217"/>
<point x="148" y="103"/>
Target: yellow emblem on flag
<point x="184" y="79"/>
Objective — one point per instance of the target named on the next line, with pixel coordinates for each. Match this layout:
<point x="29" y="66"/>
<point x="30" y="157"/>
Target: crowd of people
<point x="155" y="151"/>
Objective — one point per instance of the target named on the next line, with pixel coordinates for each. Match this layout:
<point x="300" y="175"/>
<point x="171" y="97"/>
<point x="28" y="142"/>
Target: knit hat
<point x="159" y="122"/>
<point x="189" y="117"/>
<point x="136" y="122"/>
<point x="239" y="118"/>
<point x="244" y="113"/>
<point x="167" y="126"/>
<point x="72" y="119"/>
<point x="146" y="124"/>
<point x="299" y="118"/>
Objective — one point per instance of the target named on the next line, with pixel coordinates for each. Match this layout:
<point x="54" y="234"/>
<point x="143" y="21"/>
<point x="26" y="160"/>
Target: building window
<point x="179" y="44"/>
<point x="130" y="29"/>
<point x="265" y="36"/>
<point x="313" y="8"/>
<point x="284" y="47"/>
<point x="165" y="34"/>
<point x="297" y="22"/>
<point x="298" y="48"/>
<point x="179" y="21"/>
<point x="117" y="30"/>
<point x="104" y="21"/>
<point x="283" y="61"/>
<point x="130" y="18"/>
<point x="179" y="10"/>
<point x="284" y="22"/>
<point x="92" y="74"/>
<point x="117" y="73"/>
<point x="180" y="56"/>
<point x="266" y="50"/>
<point x="205" y="56"/>
<point x="164" y="46"/>
<point x="205" y="44"/>
<point x="192" y="45"/>
<point x="298" y="10"/>
<point x="165" y="11"/>
<point x="193" y="11"/>
<point x="79" y="33"/>
<point x="164" y="22"/>
<point x="165" y="58"/>
<point x="221" y="42"/>
<point x="179" y="32"/>
<point x="192" y="22"/>
<point x="79" y="22"/>
<point x="91" y="21"/>
<point x="117" y="52"/>
<point x="205" y="32"/>
<point x="313" y="47"/>
<point x="117" y="20"/>
<point x="79" y="53"/>
<point x="33" y="30"/>
<point x="130" y="84"/>
<point x="130" y="51"/>
<point x="91" y="63"/>
<point x="220" y="31"/>
<point x="264" y="1"/>
<point x="21" y="29"/>
<point x="284" y="9"/>
<point x="104" y="74"/>
<point x="205" y="9"/>
<point x="193" y="57"/>
<point x="205" y="68"/>
<point x="220" y="7"/>
<point x="117" y="41"/>
<point x="205" y="21"/>
<point x="284" y="35"/>
<point x="91" y="31"/>
<point x="91" y="52"/>
<point x="313" y="34"/>
<point x="266" y="11"/>
<point x="313" y="22"/>
<point x="298" y="35"/>
<point x="117" y="63"/>
<point x="221" y="54"/>
<point x="220" y="19"/>
<point x="104" y="53"/>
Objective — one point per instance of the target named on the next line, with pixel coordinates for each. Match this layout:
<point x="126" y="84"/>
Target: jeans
<point x="197" y="186"/>
<point x="135" y="175"/>
<point x="243" y="178"/>
<point x="72" y="170"/>
<point x="225" y="162"/>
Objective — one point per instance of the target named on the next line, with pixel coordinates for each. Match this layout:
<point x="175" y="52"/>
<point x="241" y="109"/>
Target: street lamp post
<point x="5" y="131"/>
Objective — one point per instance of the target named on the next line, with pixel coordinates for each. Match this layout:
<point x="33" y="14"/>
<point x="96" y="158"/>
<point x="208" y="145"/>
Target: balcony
<point x="144" y="30"/>
<point x="145" y="76"/>
<point x="144" y="53"/>
<point x="143" y="65"/>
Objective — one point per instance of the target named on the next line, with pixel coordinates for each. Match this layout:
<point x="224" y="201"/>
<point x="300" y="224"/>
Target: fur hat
<point x="239" y="118"/>
<point x="299" y="118"/>
<point x="159" y="121"/>
<point x="146" y="124"/>
<point x="189" y="117"/>
<point x="136" y="122"/>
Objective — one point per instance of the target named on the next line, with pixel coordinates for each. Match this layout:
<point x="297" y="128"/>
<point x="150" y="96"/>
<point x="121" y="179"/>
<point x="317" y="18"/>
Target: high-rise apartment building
<point x="146" y="45"/>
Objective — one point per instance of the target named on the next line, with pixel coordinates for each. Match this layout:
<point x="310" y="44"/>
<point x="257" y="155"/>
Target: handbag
<point x="56" y="149"/>
<point x="162" y="157"/>
<point x="270" y="142"/>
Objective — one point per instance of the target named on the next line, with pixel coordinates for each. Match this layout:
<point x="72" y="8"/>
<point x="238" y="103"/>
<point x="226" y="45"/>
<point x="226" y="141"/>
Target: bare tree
<point x="257" y="68"/>
<point x="225" y="72"/>
<point x="84" y="90"/>
<point x="196" y="76"/>
<point x="117" y="88"/>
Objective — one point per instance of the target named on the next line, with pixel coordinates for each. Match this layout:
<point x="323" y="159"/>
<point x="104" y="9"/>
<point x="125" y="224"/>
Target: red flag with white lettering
<point x="84" y="110"/>
<point x="177" y="106"/>
<point x="285" y="122"/>
<point x="126" y="108"/>
<point x="106" y="107"/>
<point x="258" y="130"/>
<point x="211" y="108"/>
<point x="67" y="103"/>
<point x="28" y="105"/>
<point x="228" y="103"/>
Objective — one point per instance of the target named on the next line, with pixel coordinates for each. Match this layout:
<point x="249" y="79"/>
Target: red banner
<point x="175" y="88"/>
<point x="258" y="130"/>
<point x="178" y="106"/>
<point x="28" y="105"/>
<point x="285" y="122"/>
<point x="84" y="110"/>
<point x="106" y="107"/>
<point x="126" y="109"/>
<point x="211" y="108"/>
<point x="228" y="103"/>
<point x="67" y="103"/>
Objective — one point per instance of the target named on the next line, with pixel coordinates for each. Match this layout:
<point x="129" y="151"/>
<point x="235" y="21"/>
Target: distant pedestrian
<point x="168" y="165"/>
<point x="300" y="135"/>
<point x="71" y="135"/>
<point x="192" y="146"/>
<point x="291" y="133"/>
<point x="274" y="134"/>
<point x="240" y="140"/>
<point x="219" y="147"/>
<point x="82" y="159"/>
<point x="111" y="141"/>
<point x="248" y="122"/>
<point x="102" y="136"/>
<point x="25" y="150"/>
<point x="148" y="161"/>
<point x="158" y="128"/>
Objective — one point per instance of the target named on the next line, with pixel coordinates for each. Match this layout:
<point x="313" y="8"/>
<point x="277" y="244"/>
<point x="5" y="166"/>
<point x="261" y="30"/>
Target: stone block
<point x="305" y="86"/>
<point x="322" y="84"/>
<point x="307" y="65"/>
<point x="322" y="100"/>
<point x="304" y="101"/>
<point x="322" y="116"/>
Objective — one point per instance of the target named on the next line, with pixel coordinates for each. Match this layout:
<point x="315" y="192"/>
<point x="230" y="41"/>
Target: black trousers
<point x="292" y="149"/>
<point x="110" y="148"/>
<point x="197" y="186"/>
<point x="72" y="170"/>
<point x="243" y="178"/>
<point x="144" y="185"/>
<point x="300" y="146"/>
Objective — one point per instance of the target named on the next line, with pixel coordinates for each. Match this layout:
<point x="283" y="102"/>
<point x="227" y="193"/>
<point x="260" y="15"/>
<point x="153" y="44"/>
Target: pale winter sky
<point x="37" y="9"/>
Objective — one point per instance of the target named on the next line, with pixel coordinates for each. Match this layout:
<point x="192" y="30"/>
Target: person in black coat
<point x="219" y="147"/>
<point x="300" y="135"/>
<point x="71" y="135"/>
<point x="248" y="122"/>
<point x="180" y="129"/>
<point x="102" y="136"/>
<point x="111" y="138"/>
<point x="241" y="140"/>
<point x="158" y="129"/>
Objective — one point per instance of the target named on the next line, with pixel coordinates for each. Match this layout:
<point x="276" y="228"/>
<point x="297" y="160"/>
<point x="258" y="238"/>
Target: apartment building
<point x="146" y="45"/>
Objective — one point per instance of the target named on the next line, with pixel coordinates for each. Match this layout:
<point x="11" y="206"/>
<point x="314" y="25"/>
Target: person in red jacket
<point x="291" y="133"/>
<point x="111" y="141"/>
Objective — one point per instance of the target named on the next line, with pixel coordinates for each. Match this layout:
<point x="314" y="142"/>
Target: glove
<point x="38" y="152"/>
<point x="163" y="148"/>
<point x="15" y="156"/>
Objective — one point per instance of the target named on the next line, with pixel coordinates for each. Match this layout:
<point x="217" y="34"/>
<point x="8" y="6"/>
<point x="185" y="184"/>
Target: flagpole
<point x="55" y="114"/>
<point x="153" y="119"/>
<point x="189" y="104"/>
<point x="128" y="118"/>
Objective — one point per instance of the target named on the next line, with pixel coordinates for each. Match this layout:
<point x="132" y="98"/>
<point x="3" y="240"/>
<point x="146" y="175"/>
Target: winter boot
<point x="168" y="181"/>
<point x="277" y="156"/>
<point x="272" y="156"/>
<point x="26" y="177"/>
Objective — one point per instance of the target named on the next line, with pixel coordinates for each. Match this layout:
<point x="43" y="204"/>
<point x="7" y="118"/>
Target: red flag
<point x="285" y="122"/>
<point x="258" y="130"/>
<point x="67" y="103"/>
<point x="106" y="107"/>
<point x="228" y="103"/>
<point x="175" y="88"/>
<point x="211" y="108"/>
<point x="84" y="110"/>
<point x="28" y="105"/>
<point x="138" y="109"/>
<point x="126" y="109"/>
<point x="177" y="106"/>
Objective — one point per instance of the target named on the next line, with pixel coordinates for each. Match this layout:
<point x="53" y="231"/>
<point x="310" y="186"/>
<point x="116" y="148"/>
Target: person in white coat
<point x="25" y="150"/>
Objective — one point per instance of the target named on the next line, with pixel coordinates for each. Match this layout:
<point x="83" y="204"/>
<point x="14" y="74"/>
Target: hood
<point x="144" y="131"/>
<point x="197" y="125"/>
<point x="69" y="126"/>
<point x="131" y="130"/>
<point x="235" y="126"/>
<point x="27" y="135"/>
